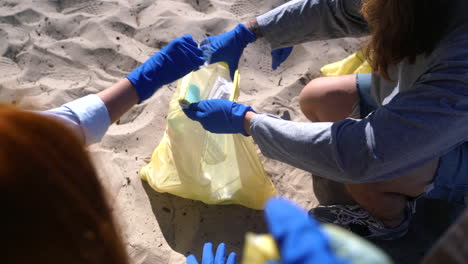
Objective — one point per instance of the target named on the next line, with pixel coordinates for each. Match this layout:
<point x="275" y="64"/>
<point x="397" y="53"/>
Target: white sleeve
<point x="87" y="116"/>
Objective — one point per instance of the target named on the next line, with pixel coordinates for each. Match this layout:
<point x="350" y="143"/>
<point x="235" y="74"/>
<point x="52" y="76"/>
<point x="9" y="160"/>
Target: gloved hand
<point x="178" y="58"/>
<point x="219" y="116"/>
<point x="278" y="56"/>
<point x="208" y="258"/>
<point x="297" y="235"/>
<point x="228" y="47"/>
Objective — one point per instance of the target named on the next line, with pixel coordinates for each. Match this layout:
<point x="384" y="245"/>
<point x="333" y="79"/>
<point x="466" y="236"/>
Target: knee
<point x="328" y="99"/>
<point x="310" y="99"/>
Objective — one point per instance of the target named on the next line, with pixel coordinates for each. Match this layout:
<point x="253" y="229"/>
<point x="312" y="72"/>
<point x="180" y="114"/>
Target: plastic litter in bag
<point x="193" y="163"/>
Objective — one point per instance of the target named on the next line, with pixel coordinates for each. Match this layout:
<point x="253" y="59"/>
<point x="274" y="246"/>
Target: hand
<point x="228" y="47"/>
<point x="298" y="236"/>
<point x="278" y="56"/>
<point x="219" y="115"/>
<point x="178" y="58"/>
<point x="208" y="258"/>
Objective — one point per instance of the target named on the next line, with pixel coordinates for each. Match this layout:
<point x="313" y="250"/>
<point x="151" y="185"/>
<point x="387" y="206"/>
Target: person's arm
<point x="413" y="128"/>
<point x="295" y="22"/>
<point x="91" y="116"/>
<point x="299" y="21"/>
<point x="119" y="98"/>
<point x="247" y="120"/>
<point x="86" y="116"/>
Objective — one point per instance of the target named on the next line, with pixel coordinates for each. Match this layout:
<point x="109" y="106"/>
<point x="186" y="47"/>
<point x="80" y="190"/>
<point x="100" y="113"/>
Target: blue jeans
<point x="451" y="178"/>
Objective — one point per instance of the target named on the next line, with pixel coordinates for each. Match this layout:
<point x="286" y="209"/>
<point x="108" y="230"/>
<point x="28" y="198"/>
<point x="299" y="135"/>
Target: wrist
<point x="238" y="114"/>
<point x="247" y="118"/>
<point x="253" y="26"/>
<point x="144" y="81"/>
<point x="245" y="34"/>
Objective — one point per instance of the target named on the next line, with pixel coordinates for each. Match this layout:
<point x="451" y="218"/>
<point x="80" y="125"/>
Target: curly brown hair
<point x="54" y="209"/>
<point x="402" y="29"/>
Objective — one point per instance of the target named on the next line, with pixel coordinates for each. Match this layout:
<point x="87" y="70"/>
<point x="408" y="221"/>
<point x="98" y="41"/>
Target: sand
<point x="53" y="52"/>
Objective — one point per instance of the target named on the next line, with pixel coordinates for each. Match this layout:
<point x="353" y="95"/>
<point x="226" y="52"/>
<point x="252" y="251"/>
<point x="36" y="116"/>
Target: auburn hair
<point x="402" y="29"/>
<point x="54" y="209"/>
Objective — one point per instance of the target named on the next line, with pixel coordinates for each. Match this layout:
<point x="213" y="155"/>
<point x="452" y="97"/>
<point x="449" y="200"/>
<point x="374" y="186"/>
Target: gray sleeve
<point x="307" y="146"/>
<point x="415" y="127"/>
<point x="300" y="21"/>
<point x="389" y="142"/>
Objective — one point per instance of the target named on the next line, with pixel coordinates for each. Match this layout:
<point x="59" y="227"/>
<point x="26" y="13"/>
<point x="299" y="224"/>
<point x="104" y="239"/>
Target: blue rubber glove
<point x="278" y="56"/>
<point x="228" y="47"/>
<point x="178" y="58"/>
<point x="297" y="235"/>
<point x="208" y="257"/>
<point x="219" y="116"/>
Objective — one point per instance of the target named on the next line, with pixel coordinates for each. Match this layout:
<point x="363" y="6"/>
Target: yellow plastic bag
<point x="352" y="64"/>
<point x="196" y="164"/>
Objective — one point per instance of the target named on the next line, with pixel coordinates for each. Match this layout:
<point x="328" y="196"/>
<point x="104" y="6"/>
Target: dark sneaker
<point x="357" y="220"/>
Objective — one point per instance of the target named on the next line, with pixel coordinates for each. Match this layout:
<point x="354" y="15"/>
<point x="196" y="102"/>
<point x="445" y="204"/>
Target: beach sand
<point x="53" y="52"/>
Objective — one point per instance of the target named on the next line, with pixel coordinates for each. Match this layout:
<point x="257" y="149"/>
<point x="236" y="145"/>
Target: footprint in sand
<point x="27" y="16"/>
<point x="244" y="8"/>
<point x="3" y="44"/>
<point x="8" y="67"/>
<point x="122" y="28"/>
<point x="85" y="6"/>
<point x="201" y="5"/>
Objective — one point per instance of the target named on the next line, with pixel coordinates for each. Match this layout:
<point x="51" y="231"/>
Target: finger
<point x="190" y="44"/>
<point x="232" y="259"/>
<point x="198" y="110"/>
<point x="298" y="236"/>
<point x="220" y="256"/>
<point x="189" y="40"/>
<point x="192" y="260"/>
<point x="194" y="106"/>
<point x="279" y="56"/>
<point x="191" y="111"/>
<point x="207" y="253"/>
<point x="195" y="55"/>
<point x="279" y="211"/>
<point x="190" y="114"/>
<point x="232" y="69"/>
<point x="194" y="115"/>
<point x="195" y="50"/>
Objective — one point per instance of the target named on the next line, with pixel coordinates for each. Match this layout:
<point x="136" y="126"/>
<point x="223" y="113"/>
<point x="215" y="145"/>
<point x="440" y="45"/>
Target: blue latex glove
<point x="278" y="56"/>
<point x="219" y="115"/>
<point x="208" y="257"/>
<point x="228" y="47"/>
<point x="178" y="58"/>
<point x="297" y="234"/>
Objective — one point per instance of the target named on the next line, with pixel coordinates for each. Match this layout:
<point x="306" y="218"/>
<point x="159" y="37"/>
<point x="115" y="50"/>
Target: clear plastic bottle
<point x="205" y="46"/>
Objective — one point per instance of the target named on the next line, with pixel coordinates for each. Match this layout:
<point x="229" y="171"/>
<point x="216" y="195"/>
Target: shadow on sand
<point x="187" y="224"/>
